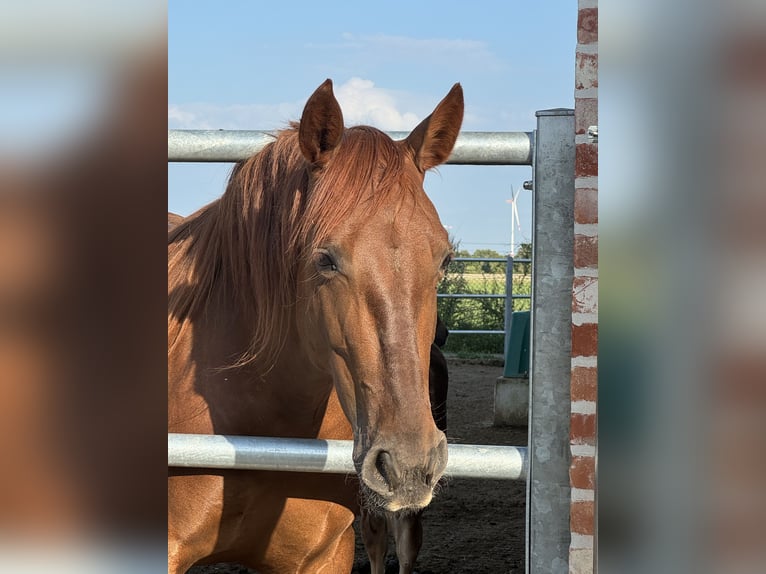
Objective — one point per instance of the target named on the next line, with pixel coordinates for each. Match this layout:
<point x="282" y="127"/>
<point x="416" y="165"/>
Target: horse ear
<point x="321" y="127"/>
<point x="433" y="139"/>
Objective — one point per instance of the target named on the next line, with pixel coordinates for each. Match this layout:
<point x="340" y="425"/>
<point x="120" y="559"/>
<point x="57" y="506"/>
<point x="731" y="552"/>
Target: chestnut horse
<point x="407" y="528"/>
<point x="302" y="303"/>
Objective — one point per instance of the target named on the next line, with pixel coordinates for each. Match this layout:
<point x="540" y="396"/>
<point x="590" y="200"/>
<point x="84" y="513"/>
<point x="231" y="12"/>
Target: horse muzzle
<point x="397" y="478"/>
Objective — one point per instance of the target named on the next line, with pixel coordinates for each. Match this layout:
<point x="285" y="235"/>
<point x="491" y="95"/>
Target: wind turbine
<point x="515" y="223"/>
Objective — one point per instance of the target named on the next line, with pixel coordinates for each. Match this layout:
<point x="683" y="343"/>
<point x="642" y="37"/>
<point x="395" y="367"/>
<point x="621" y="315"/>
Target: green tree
<point x="471" y="277"/>
<point x="489" y="266"/>
<point x="523" y="252"/>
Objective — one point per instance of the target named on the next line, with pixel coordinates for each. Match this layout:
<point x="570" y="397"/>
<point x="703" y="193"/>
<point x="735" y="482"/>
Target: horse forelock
<point x="364" y="174"/>
<point x="252" y="241"/>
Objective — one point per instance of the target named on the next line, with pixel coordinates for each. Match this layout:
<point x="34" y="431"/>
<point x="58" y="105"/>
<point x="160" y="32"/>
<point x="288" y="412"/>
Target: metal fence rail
<point x="470" y="296"/>
<point x="509" y="295"/>
<point x="474" y="148"/>
<point x="328" y="456"/>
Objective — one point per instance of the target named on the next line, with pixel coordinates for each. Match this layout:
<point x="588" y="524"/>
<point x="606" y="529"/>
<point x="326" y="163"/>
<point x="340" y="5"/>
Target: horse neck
<point x="251" y="398"/>
<point x="230" y="320"/>
<point x="211" y="330"/>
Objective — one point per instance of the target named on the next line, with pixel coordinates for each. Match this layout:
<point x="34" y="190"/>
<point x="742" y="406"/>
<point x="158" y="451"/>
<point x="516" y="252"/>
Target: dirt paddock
<point x="473" y="525"/>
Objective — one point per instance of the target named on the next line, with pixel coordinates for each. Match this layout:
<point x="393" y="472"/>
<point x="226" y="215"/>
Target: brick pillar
<point x="582" y="473"/>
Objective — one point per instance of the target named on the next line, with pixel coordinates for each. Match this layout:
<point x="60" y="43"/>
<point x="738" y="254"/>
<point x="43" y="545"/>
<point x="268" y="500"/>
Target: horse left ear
<point x="321" y="127"/>
<point x="433" y="139"/>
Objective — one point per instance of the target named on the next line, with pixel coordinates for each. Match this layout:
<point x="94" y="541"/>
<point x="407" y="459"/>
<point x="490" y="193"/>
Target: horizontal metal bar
<point x="331" y="456"/>
<point x="478" y="296"/>
<point x="469" y="296"/>
<point x="482" y="259"/>
<point x="475" y="332"/>
<point x="475" y="148"/>
<point x="490" y="259"/>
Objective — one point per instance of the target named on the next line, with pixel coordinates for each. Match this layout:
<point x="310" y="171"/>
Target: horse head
<point x="368" y="284"/>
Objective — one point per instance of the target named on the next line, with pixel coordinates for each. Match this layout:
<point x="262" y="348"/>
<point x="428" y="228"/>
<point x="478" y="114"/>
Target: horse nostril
<point x="436" y="462"/>
<point x="384" y="464"/>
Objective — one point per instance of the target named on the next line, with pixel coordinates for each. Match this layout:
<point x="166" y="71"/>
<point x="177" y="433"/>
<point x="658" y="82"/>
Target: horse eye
<point x="324" y="262"/>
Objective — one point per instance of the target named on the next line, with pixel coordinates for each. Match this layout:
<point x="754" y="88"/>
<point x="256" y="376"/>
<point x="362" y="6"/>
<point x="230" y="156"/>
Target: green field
<point x="479" y="314"/>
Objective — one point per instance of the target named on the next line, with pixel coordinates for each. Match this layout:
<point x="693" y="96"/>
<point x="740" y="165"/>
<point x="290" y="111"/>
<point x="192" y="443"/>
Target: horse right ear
<point x="321" y="127"/>
<point x="432" y="140"/>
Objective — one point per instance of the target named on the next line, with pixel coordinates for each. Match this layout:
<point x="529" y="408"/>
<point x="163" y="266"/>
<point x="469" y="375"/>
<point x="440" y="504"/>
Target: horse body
<point x="302" y="304"/>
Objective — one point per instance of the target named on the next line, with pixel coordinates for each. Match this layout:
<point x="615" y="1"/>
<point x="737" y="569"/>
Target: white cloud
<point x="452" y="53"/>
<point x="364" y="103"/>
<point x="181" y="118"/>
<point x="361" y="101"/>
<point x="420" y="45"/>
<point x="208" y="116"/>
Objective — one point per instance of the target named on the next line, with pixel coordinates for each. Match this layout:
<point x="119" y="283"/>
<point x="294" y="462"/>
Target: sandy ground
<point x="473" y="525"/>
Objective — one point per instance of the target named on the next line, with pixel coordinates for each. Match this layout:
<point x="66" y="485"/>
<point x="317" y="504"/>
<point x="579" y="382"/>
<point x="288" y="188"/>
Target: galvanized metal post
<point x="548" y="491"/>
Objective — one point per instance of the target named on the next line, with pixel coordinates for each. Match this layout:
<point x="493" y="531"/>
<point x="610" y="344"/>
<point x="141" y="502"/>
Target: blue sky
<point x="252" y="65"/>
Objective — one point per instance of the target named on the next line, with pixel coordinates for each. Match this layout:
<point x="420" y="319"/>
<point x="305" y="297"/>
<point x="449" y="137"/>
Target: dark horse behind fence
<point x="302" y="303"/>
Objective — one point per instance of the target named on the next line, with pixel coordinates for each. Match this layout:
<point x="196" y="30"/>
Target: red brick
<point x="587" y="26"/>
<point x="586" y="160"/>
<point x="582" y="429"/>
<point x="585" y="340"/>
<point x="582" y="472"/>
<point x="586" y="114"/>
<point x="586" y="205"/>
<point x="584" y="384"/>
<point x="586" y="71"/>
<point x="585" y="251"/>
<point x="581" y="517"/>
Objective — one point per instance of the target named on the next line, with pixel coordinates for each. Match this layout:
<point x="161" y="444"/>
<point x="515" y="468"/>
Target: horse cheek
<point x="344" y="388"/>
